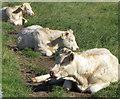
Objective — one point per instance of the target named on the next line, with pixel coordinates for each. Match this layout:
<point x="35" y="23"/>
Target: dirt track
<point x="38" y="89"/>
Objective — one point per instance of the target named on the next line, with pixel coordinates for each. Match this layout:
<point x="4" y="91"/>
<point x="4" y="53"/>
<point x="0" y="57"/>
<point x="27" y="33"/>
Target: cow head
<point x="26" y="8"/>
<point x="69" y="40"/>
<point x="64" y="64"/>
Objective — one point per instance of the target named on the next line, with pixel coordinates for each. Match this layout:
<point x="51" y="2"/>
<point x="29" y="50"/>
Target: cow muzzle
<point x="33" y="14"/>
<point x="77" y="48"/>
<point x="52" y="74"/>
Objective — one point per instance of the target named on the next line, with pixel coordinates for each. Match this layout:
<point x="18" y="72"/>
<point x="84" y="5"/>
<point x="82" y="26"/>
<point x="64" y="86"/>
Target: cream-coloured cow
<point x="45" y="40"/>
<point x="93" y="69"/>
<point x="15" y="14"/>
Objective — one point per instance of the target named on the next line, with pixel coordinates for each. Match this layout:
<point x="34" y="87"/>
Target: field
<point x="94" y="25"/>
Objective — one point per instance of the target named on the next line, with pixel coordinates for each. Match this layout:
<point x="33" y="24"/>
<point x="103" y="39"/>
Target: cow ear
<point x="22" y="7"/>
<point x="70" y="31"/>
<point x="71" y="57"/>
<point x="64" y="35"/>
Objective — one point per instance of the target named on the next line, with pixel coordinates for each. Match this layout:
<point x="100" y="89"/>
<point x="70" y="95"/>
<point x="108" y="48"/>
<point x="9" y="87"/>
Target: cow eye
<point x="27" y="9"/>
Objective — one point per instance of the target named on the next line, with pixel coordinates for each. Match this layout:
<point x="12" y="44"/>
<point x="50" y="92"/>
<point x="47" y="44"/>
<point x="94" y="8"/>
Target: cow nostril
<point x="77" y="48"/>
<point x="51" y="73"/>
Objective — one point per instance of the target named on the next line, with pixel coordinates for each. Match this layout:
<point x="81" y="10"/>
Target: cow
<point x="92" y="70"/>
<point x="15" y="14"/>
<point x="45" y="40"/>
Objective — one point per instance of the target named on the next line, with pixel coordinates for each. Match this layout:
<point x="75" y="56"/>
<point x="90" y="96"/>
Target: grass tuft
<point x="30" y="53"/>
<point x="58" y="91"/>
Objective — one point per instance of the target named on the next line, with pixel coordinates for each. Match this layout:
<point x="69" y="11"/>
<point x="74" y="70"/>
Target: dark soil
<point x="38" y="89"/>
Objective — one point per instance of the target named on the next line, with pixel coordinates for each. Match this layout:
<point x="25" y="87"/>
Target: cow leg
<point x="24" y="20"/>
<point x="41" y="78"/>
<point x="93" y="88"/>
<point x="45" y="52"/>
<point x="15" y="22"/>
<point x="67" y="85"/>
<point x="83" y="82"/>
<point x="11" y="20"/>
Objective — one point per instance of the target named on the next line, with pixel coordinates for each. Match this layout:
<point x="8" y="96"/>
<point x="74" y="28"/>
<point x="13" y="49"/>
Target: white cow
<point x="45" y="40"/>
<point x="15" y="14"/>
<point x="93" y="69"/>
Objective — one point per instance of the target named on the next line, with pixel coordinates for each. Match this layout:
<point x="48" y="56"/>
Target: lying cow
<point x="45" y="40"/>
<point x="93" y="69"/>
<point x="15" y="14"/>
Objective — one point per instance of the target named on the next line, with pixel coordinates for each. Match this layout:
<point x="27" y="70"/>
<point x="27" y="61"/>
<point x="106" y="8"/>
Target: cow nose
<point x="33" y="14"/>
<point x="52" y="74"/>
<point x="77" y="48"/>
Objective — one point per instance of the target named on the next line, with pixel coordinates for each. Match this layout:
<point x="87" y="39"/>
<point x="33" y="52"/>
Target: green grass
<point x="7" y="27"/>
<point x="42" y="71"/>
<point x="30" y="53"/>
<point x="58" y="91"/>
<point x="112" y="91"/>
<point x="12" y="83"/>
<point x="94" y="25"/>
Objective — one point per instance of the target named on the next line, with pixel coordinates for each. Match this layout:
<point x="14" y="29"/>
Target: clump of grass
<point x="30" y="53"/>
<point x="42" y="71"/>
<point x="58" y="91"/>
<point x="6" y="26"/>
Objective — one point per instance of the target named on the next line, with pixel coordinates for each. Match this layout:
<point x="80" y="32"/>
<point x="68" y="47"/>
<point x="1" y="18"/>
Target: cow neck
<point x="55" y="34"/>
<point x="17" y="10"/>
<point x="57" y="41"/>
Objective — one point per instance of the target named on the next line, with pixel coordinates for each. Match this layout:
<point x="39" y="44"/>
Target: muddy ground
<point x="38" y="89"/>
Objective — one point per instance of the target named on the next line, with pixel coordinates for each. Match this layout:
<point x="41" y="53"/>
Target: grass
<point x="58" y="91"/>
<point x="112" y="91"/>
<point x="30" y="53"/>
<point x="12" y="84"/>
<point x="42" y="71"/>
<point x="7" y="27"/>
<point x="94" y="25"/>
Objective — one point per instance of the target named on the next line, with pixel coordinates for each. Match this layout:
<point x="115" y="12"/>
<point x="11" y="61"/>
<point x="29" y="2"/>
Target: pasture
<point x="94" y="25"/>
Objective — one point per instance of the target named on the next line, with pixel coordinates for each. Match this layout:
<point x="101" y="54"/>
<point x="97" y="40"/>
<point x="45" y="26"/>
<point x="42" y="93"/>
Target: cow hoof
<point x="67" y="89"/>
<point x="34" y="80"/>
<point x="49" y="53"/>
